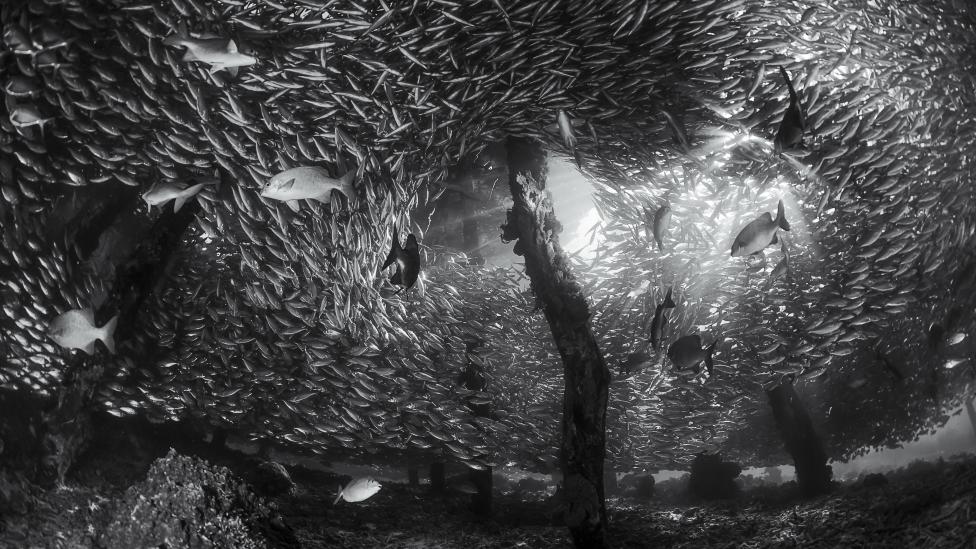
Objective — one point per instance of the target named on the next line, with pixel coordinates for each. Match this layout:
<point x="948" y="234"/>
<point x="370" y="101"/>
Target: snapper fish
<point x="407" y="258"/>
<point x="759" y="233"/>
<point x="219" y="53"/>
<point x="687" y="352"/>
<point x="358" y="489"/>
<point x="307" y="182"/>
<point x="76" y="329"/>
<point x="161" y="193"/>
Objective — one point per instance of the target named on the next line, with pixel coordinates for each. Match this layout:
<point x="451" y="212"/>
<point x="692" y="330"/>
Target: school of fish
<point x="693" y="120"/>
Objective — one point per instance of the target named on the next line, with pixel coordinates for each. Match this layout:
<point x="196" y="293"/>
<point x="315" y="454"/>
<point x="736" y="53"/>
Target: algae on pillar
<point x="532" y="224"/>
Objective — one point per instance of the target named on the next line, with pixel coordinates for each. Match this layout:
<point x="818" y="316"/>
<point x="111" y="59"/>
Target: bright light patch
<point x="586" y="237"/>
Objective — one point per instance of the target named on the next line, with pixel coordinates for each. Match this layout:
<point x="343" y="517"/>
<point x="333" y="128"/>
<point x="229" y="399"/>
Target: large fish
<point x="660" y="322"/>
<point x="407" y="258"/>
<point x="759" y="233"/>
<point x="791" y="128"/>
<point x="76" y="329"/>
<point x="687" y="352"/>
<point x="307" y="182"/>
<point x="163" y="192"/>
<point x="219" y="53"/>
<point x="358" y="489"/>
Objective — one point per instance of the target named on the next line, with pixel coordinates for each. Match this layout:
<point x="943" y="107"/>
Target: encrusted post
<point x="437" y="484"/>
<point x="795" y="426"/>
<point x="532" y="224"/>
<point x="68" y="424"/>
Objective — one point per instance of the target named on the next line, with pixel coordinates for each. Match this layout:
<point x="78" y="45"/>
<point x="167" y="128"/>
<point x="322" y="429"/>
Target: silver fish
<point x="219" y="53"/>
<point x="307" y="182"/>
<point x="162" y="192"/>
<point x="76" y="329"/>
<point x="358" y="489"/>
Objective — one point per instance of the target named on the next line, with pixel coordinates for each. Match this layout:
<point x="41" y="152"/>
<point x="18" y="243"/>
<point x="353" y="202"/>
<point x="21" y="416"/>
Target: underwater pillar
<point x="795" y="426"/>
<point x="481" y="502"/>
<point x="218" y="438"/>
<point x="532" y="224"/>
<point x="437" y="484"/>
<point x="68" y="424"/>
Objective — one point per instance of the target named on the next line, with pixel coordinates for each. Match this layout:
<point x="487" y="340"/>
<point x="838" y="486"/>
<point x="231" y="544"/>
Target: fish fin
<point x="396" y="279"/>
<point x="89" y="315"/>
<point x="789" y="84"/>
<point x="90" y="348"/>
<point x="287" y="185"/>
<point x="660" y="244"/>
<point x="668" y="302"/>
<point x="178" y="203"/>
<point x="338" y="496"/>
<point x="775" y="240"/>
<point x="346" y="182"/>
<point x="232" y="71"/>
<point x="708" y="357"/>
<point x="180" y="33"/>
<point x="294" y="205"/>
<point x="188" y="56"/>
<point x="192" y="190"/>
<point x="108" y="334"/>
<point x="394" y="251"/>
<point x="781" y="217"/>
<point x="231" y="46"/>
<point x="579" y="161"/>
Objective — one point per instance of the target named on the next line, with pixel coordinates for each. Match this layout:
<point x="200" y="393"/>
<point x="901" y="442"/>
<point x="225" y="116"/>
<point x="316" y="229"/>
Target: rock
<point x="15" y="494"/>
<point x="712" y="478"/>
<point x="874" y="480"/>
<point x="271" y="479"/>
<point x="637" y="485"/>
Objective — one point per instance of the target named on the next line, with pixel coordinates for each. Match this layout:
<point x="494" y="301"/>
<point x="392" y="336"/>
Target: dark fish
<point x="759" y="233"/>
<point x="660" y="322"/>
<point x="687" y="352"/>
<point x="407" y="259"/>
<point x="790" y="133"/>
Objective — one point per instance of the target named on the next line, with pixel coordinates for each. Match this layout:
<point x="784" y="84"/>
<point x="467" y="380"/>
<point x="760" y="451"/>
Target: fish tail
<point x="187" y="194"/>
<point x="194" y="189"/>
<point x="708" y="357"/>
<point x="789" y="84"/>
<point x="108" y="334"/>
<point x="181" y="33"/>
<point x="668" y="302"/>
<point x="394" y="250"/>
<point x="338" y="496"/>
<point x="346" y="183"/>
<point x="781" y="217"/>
